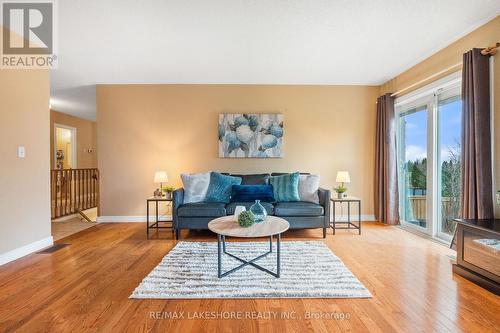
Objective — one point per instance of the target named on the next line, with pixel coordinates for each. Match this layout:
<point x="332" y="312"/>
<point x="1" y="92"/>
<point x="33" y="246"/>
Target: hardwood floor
<point x="60" y="230"/>
<point x="65" y="227"/>
<point x="85" y="287"/>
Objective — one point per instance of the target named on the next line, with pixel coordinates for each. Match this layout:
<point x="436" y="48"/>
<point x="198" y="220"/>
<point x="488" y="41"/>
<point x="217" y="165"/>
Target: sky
<point x="449" y="131"/>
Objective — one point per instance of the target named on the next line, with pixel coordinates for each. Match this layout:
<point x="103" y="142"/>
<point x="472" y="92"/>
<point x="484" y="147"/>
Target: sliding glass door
<point x="429" y="138"/>
<point x="449" y="108"/>
<point x="413" y="166"/>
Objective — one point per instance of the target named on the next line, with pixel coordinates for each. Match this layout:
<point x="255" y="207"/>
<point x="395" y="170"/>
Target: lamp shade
<point x="343" y="177"/>
<point x="161" y="177"/>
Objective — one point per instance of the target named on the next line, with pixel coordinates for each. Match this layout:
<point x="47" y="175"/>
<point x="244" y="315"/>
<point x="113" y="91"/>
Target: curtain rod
<point x="457" y="65"/>
<point x="490" y="50"/>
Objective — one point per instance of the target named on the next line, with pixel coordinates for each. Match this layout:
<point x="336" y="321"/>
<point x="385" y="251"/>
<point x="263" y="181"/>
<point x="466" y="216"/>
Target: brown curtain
<point x="477" y="197"/>
<point x="386" y="180"/>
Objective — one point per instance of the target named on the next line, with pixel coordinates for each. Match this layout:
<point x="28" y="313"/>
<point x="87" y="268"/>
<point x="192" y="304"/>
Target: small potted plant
<point x="168" y="191"/>
<point x="340" y="191"/>
<point x="246" y="219"/>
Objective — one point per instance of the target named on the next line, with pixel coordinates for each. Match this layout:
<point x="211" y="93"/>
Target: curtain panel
<point x="477" y="196"/>
<point x="386" y="181"/>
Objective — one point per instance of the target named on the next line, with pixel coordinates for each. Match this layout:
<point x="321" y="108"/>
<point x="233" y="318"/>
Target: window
<point x="429" y="138"/>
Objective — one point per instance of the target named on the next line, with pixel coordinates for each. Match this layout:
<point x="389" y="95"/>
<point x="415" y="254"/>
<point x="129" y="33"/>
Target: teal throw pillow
<point x="220" y="186"/>
<point x="286" y="187"/>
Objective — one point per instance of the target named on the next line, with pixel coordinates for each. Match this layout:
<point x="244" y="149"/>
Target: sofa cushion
<point x="286" y="187"/>
<point x="254" y="179"/>
<point x="219" y="189"/>
<point x="195" y="186"/>
<point x="202" y="209"/>
<point x="298" y="209"/>
<point x="250" y="193"/>
<point x="232" y="206"/>
<point x="308" y="188"/>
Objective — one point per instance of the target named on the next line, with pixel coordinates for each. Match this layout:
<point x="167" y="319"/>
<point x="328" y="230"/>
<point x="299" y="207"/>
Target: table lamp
<point x="161" y="177"/>
<point x="342" y="177"/>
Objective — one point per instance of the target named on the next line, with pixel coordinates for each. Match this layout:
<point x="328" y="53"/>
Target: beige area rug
<point x="309" y="269"/>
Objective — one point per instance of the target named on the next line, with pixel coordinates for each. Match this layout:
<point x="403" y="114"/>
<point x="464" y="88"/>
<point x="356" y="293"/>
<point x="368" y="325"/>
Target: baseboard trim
<point x="139" y="218"/>
<point x="25" y="250"/>
<point x="121" y="219"/>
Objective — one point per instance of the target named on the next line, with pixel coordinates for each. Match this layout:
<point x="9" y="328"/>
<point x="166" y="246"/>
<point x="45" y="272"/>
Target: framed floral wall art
<point x="251" y="135"/>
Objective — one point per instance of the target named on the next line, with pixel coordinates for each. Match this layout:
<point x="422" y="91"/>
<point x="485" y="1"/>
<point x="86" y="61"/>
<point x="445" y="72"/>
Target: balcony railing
<point x="73" y="190"/>
<point x="449" y="210"/>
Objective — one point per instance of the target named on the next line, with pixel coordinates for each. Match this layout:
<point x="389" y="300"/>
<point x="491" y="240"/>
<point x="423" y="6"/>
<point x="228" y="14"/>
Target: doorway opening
<point x="74" y="190"/>
<point x="64" y="147"/>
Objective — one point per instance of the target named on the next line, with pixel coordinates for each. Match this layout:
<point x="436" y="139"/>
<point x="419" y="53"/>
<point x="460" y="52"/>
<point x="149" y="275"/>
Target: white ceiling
<point x="334" y="42"/>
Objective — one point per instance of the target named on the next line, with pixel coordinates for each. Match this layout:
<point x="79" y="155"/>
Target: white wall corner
<point x="25" y="250"/>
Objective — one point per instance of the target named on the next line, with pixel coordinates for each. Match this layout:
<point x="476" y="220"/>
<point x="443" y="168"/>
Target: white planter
<point x="238" y="210"/>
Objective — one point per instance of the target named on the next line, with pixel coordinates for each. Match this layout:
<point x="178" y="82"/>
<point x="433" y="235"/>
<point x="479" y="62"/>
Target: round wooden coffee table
<point x="228" y="226"/>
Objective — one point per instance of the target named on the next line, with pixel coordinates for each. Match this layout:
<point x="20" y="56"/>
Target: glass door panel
<point x="412" y="159"/>
<point x="449" y="166"/>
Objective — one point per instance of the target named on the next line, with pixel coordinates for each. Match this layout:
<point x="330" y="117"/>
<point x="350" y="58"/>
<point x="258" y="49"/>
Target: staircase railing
<point x="73" y="190"/>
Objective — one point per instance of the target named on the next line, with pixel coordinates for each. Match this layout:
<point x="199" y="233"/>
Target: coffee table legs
<point x="219" y="256"/>
<point x="221" y="249"/>
<point x="278" y="256"/>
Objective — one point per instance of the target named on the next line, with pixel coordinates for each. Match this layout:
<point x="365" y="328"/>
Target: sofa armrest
<point x="177" y="201"/>
<point x="324" y="200"/>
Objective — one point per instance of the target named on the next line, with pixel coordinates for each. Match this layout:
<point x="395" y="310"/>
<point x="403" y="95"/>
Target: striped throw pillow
<point x="286" y="187"/>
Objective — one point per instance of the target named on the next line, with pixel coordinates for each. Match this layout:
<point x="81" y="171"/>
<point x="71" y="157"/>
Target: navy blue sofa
<point x="300" y="215"/>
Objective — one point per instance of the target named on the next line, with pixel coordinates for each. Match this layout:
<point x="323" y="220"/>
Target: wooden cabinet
<point x="478" y="252"/>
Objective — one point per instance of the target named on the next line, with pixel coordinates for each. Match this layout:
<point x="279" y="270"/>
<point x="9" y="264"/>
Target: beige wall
<point x="86" y="137"/>
<point x="142" y="128"/>
<point x="24" y="182"/>
<point x="173" y="127"/>
<point x="452" y="54"/>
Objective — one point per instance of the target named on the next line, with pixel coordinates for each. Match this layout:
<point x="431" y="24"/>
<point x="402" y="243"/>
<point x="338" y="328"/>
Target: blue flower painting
<point x="251" y="135"/>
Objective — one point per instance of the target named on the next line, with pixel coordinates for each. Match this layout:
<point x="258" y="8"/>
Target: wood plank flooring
<point x="64" y="229"/>
<point x="61" y="228"/>
<point x="85" y="287"/>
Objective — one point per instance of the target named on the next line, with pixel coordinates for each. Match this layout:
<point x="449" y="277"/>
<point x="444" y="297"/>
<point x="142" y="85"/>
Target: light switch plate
<point x="21" y="152"/>
<point x="498" y="198"/>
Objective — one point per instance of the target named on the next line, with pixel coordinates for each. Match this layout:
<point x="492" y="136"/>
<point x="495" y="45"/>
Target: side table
<point x="156" y="224"/>
<point x="349" y="223"/>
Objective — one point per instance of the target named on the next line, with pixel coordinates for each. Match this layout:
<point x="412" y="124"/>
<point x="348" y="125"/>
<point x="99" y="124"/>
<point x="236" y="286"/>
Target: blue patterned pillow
<point x="286" y="187"/>
<point x="220" y="186"/>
